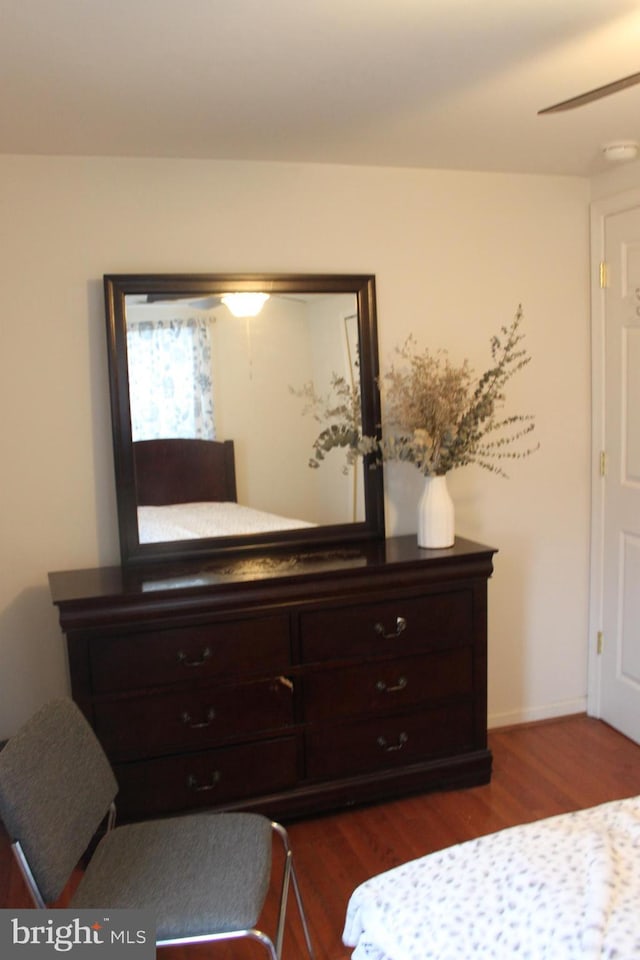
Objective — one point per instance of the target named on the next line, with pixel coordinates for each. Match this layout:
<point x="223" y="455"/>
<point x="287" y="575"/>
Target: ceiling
<point x="411" y="83"/>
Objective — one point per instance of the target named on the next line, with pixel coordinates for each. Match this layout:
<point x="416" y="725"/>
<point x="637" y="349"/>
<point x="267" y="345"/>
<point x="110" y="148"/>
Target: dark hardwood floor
<point x="539" y="770"/>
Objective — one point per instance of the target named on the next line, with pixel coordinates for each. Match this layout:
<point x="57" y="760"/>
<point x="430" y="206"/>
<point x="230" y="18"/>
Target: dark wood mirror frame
<point x="117" y="288"/>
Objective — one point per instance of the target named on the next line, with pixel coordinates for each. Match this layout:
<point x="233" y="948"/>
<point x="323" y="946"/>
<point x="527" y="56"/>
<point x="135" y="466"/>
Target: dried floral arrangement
<point x="438" y="416"/>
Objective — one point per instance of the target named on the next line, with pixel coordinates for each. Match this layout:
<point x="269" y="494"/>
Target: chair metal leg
<point x="111" y="817"/>
<point x="290" y="874"/>
<point x="266" y="942"/>
<point x="253" y="934"/>
<point x="27" y="875"/>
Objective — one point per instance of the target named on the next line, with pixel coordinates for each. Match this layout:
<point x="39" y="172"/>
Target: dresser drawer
<point x="192" y="718"/>
<point x="214" y="651"/>
<point x="354" y="747"/>
<point x="402" y="626"/>
<point x="206" y="778"/>
<point x="388" y="684"/>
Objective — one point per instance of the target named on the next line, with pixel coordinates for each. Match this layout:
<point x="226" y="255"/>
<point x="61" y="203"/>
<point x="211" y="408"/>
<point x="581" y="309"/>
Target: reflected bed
<point x="189" y="521"/>
<point x="186" y="490"/>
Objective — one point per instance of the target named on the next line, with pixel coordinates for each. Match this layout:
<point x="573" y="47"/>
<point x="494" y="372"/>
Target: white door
<point x="616" y="560"/>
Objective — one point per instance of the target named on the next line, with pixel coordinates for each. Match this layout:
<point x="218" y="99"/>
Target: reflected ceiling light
<point x="620" y="151"/>
<point x="245" y="304"/>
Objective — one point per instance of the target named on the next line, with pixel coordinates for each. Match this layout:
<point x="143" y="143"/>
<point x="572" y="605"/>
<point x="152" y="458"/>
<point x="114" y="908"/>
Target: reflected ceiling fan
<point x="240" y="304"/>
<point x="199" y="303"/>
<point x="208" y="302"/>
<point x="592" y="95"/>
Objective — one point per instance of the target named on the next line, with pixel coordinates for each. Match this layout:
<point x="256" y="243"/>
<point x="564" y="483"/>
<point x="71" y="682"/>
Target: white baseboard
<point x="513" y="717"/>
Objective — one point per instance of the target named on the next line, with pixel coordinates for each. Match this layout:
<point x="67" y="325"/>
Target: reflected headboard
<point x="184" y="471"/>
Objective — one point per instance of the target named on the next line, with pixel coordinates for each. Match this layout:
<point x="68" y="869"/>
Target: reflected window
<point x="170" y="382"/>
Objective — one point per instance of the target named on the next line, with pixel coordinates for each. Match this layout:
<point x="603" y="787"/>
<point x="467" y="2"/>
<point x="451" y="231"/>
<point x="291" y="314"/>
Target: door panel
<point x="619" y="664"/>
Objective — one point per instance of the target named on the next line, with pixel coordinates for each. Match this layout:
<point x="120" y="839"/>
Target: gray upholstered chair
<point x="204" y="876"/>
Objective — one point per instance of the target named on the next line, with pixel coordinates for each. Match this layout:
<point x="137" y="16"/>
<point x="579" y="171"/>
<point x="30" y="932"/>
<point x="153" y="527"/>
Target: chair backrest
<point x="56" y="785"/>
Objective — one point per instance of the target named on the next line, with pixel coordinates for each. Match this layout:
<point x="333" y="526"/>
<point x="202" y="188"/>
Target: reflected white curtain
<point x="170" y="383"/>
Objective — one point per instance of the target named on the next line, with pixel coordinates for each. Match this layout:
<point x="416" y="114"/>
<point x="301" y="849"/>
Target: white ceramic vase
<point x="436" y="515"/>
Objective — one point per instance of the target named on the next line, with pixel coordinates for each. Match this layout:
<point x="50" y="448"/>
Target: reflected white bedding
<point x="559" y="889"/>
<point x="191" y="521"/>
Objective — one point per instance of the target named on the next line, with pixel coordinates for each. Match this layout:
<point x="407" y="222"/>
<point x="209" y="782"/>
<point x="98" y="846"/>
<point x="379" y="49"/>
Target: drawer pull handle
<point x="401" y="626"/>
<point x="383" y="687"/>
<point x="392" y="747"/>
<point x="193" y="784"/>
<point x="188" y="720"/>
<point x="182" y="657"/>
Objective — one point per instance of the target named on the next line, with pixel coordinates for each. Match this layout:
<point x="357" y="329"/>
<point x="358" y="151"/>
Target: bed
<point x="186" y="490"/>
<point x="557" y="889"/>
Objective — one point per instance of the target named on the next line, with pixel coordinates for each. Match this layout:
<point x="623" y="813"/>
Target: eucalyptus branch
<point x="341" y="410"/>
<point x="438" y="416"/>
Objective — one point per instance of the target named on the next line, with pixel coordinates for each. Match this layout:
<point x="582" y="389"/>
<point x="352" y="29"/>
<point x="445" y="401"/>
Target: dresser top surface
<point x="276" y="568"/>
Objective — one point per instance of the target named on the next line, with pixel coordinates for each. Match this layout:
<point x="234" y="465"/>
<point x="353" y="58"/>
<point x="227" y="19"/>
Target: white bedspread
<point x="191" y="521"/>
<point x="558" y="889"/>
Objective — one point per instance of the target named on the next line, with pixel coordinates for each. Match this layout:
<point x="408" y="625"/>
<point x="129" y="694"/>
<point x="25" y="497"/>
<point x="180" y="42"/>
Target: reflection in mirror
<point x="212" y="449"/>
<point x="197" y="371"/>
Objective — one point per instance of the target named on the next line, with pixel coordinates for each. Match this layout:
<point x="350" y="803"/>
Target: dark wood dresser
<point x="285" y="683"/>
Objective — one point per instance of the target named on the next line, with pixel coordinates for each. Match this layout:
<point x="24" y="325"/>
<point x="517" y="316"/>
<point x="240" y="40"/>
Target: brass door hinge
<point x="604" y="275"/>
<point x="603" y="463"/>
<point x="599" y="642"/>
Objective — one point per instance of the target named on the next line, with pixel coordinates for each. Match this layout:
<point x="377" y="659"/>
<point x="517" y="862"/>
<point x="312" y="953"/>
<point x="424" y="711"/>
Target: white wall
<point x="617" y="179"/>
<point x="255" y="361"/>
<point x="453" y="254"/>
<point x="338" y="492"/>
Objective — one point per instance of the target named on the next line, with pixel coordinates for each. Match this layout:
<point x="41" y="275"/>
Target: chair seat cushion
<point x="199" y="874"/>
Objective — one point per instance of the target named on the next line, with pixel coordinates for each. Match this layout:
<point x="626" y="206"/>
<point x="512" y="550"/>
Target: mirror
<point x="211" y="442"/>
